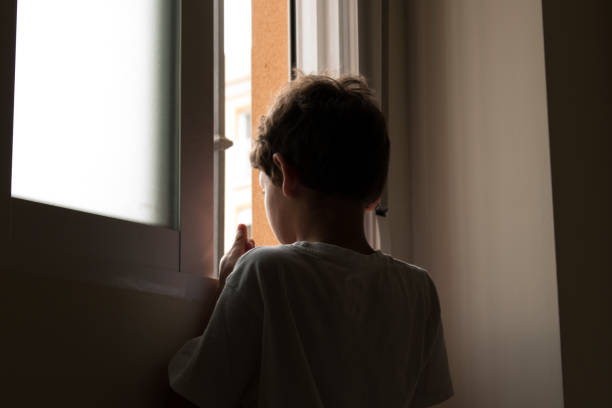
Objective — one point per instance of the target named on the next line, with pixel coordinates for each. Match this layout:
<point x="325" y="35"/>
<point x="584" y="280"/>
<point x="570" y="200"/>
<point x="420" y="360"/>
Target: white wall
<point x="470" y="190"/>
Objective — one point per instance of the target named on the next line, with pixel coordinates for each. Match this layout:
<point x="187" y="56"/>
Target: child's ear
<point x="289" y="174"/>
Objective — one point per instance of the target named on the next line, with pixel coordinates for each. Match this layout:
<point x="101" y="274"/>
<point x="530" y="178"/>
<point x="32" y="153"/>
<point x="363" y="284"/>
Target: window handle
<point x="222" y="143"/>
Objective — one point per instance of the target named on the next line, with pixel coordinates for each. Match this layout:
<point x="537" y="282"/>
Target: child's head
<point x="323" y="151"/>
<point x="331" y="132"/>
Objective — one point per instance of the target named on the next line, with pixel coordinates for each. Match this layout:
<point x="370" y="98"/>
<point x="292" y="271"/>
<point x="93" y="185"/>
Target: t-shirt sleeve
<point x="434" y="384"/>
<point x="218" y="368"/>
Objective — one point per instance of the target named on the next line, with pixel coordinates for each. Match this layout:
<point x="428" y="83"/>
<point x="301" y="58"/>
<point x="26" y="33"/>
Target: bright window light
<point x="237" y="38"/>
<point x="95" y="124"/>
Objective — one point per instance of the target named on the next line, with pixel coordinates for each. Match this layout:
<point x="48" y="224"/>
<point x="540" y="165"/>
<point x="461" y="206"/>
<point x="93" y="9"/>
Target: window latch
<point x="381" y="210"/>
<point x="222" y="143"/>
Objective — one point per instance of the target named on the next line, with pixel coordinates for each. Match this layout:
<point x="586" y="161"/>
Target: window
<point x="152" y="226"/>
<point x="237" y="170"/>
<point x="178" y="234"/>
<point x="94" y="124"/>
<point x="237" y="47"/>
<point x="322" y="36"/>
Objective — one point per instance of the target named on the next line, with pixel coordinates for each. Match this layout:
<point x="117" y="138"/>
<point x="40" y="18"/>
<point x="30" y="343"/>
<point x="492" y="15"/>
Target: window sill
<point x="167" y="282"/>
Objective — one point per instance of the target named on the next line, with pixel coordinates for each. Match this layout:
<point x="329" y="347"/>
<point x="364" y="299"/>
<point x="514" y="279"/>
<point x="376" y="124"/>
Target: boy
<point x="322" y="320"/>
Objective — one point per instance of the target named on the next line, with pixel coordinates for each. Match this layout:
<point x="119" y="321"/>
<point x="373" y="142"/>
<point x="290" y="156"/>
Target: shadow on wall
<point x="578" y="40"/>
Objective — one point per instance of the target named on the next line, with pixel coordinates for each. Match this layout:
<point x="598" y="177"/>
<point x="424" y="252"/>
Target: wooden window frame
<point x="41" y="238"/>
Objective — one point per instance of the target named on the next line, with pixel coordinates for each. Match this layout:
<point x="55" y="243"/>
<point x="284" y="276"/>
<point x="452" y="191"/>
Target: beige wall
<point x="470" y="190"/>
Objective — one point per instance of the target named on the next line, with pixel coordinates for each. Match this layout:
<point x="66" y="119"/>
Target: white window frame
<point x="332" y="46"/>
<point x="44" y="239"/>
<point x="221" y="142"/>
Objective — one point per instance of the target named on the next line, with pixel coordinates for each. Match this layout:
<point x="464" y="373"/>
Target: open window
<point x="335" y="37"/>
<point x="158" y="213"/>
<point x="109" y="127"/>
<point x="237" y="197"/>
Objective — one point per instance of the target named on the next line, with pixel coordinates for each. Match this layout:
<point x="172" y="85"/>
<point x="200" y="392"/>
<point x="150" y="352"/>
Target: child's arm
<point x="435" y="385"/>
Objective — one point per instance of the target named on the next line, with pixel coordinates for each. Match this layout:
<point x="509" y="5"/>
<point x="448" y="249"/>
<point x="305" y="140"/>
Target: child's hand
<point x="242" y="244"/>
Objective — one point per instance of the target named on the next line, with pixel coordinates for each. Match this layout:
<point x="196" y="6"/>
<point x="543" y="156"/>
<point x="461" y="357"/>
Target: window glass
<point x="237" y="38"/>
<point x="95" y="125"/>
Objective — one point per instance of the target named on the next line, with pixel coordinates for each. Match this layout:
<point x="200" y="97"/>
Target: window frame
<point x="42" y="238"/>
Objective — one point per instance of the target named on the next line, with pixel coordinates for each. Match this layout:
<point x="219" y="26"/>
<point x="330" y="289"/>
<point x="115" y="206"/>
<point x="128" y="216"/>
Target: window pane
<point x="237" y="37"/>
<point x="95" y="125"/>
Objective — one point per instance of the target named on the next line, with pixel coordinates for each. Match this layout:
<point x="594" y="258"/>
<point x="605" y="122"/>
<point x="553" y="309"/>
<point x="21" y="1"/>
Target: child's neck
<point x="332" y="222"/>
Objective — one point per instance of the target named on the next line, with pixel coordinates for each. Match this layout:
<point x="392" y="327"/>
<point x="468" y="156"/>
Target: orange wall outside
<point x="269" y="71"/>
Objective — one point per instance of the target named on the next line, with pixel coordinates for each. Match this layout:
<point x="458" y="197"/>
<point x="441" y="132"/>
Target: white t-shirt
<point x="317" y="325"/>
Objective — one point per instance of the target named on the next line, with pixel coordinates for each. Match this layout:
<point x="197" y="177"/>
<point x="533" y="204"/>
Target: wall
<point x="578" y="68"/>
<point x="468" y="120"/>
<point x="269" y="71"/>
<point x="69" y="343"/>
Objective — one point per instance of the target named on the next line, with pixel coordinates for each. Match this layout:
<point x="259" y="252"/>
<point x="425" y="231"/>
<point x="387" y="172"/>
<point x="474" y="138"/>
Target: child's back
<point x="324" y="320"/>
<point x="329" y="327"/>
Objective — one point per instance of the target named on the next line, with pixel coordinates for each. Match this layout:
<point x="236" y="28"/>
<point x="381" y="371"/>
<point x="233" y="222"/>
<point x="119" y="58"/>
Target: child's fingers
<point x="250" y="244"/>
<point x="241" y="232"/>
<point x="242" y="244"/>
<point x="241" y="240"/>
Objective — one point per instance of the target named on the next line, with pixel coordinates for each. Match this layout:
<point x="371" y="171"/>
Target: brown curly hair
<point x="332" y="131"/>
